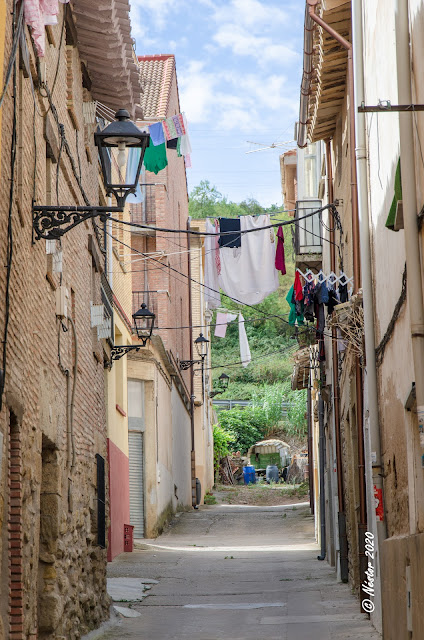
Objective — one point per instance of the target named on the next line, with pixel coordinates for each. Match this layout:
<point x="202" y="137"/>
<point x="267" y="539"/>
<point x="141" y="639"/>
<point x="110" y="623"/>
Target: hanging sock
<point x="156" y="133"/>
<point x="155" y="158"/>
<point x="280" y="262"/>
<point x="245" y="356"/>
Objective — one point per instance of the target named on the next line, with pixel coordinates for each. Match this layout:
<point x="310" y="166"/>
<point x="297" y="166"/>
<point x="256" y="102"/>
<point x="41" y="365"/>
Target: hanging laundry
<point x="212" y="295"/>
<point x="185" y="139"/>
<point x="343" y="293"/>
<point x="308" y="300"/>
<point x="173" y="144"/>
<point x="245" y="356"/>
<point x="187" y="159"/>
<point x="230" y="239"/>
<point x="38" y="14"/>
<point x="321" y="292"/>
<point x="249" y="275"/>
<point x="333" y="301"/>
<point x="280" y="263"/>
<point x="217" y="255"/>
<point x="222" y="320"/>
<point x="293" y="317"/>
<point x="156" y="133"/>
<point x="174" y="127"/>
<point x="298" y="289"/>
<point x="179" y="154"/>
<point x="155" y="158"/>
<point x="131" y="171"/>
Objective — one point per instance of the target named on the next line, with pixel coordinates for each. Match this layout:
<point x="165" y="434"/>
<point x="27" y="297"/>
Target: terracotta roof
<point x="156" y="77"/>
<point x="106" y="46"/>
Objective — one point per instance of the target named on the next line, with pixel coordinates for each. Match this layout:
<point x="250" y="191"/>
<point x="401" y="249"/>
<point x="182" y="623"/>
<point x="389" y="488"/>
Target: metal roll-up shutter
<point x="135" y="443"/>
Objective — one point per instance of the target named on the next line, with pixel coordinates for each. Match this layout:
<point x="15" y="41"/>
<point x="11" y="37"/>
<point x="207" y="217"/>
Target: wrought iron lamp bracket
<point x="118" y="352"/>
<point x="51" y="223"/>
<point x="186" y="364"/>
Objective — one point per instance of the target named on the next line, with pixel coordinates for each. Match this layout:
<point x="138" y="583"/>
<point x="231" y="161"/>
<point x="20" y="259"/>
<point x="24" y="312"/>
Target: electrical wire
<point x="9" y="241"/>
<point x="17" y="29"/>
<point x="225" y="233"/>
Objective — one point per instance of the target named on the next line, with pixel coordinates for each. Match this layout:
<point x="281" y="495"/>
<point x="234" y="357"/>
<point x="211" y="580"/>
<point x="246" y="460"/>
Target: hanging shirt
<point x="248" y="275"/>
<point x="217" y="254"/>
<point x="155" y="158"/>
<point x="212" y="295"/>
<point x="280" y="263"/>
<point x="245" y="356"/>
<point x="298" y="289"/>
<point x="156" y="133"/>
<point x="231" y="239"/>
<point x="294" y="316"/>
<point x="222" y="320"/>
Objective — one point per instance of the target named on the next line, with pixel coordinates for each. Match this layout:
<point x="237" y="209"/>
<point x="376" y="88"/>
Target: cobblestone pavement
<point x="239" y="573"/>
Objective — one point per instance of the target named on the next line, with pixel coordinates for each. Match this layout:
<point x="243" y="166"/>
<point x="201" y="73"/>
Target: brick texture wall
<point x="52" y="570"/>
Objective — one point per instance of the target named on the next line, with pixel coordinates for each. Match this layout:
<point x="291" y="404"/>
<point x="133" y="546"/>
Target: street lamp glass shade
<point x="202" y="345"/>
<point x="224" y="381"/>
<point x="121" y="146"/>
<point x="144" y="321"/>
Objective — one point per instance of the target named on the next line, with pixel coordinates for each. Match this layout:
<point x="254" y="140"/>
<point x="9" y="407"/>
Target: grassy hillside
<point x="271" y="339"/>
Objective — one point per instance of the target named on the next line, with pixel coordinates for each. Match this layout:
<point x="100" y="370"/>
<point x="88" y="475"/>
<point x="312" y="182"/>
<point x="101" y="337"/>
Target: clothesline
<point x="330" y="279"/>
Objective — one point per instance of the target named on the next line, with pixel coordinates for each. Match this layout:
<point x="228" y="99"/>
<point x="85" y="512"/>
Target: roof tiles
<point x="156" y="77"/>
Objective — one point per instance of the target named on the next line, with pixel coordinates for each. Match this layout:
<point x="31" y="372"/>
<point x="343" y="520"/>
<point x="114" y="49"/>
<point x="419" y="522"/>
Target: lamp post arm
<point x="52" y="223"/>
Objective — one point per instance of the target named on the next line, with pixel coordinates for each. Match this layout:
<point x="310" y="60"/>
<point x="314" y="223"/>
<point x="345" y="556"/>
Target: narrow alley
<point x="235" y="572"/>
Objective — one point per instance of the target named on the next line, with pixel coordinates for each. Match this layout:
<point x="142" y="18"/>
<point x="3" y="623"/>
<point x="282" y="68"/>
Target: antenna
<point x="274" y="145"/>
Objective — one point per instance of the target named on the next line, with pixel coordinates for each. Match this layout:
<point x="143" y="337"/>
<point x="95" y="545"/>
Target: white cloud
<point x="159" y="10"/>
<point x="250" y="13"/>
<point x="243" y="43"/>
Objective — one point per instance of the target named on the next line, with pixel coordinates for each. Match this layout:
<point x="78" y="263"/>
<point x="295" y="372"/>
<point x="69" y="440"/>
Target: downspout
<point x="412" y="241"/>
<point x="190" y="316"/>
<point x="321" y="476"/>
<point x="310" y="448"/>
<point x="362" y="525"/>
<point x="374" y="464"/>
<point x="341" y="516"/>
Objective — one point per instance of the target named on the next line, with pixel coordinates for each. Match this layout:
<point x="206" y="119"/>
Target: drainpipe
<point x="341" y="516"/>
<point x="374" y="464"/>
<point x="321" y="476"/>
<point x="310" y="449"/>
<point x="190" y="316"/>
<point x="412" y="242"/>
<point x="362" y="525"/>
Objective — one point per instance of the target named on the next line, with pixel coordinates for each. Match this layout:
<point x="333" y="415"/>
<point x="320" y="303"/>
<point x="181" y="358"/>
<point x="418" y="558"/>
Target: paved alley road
<point x="239" y="573"/>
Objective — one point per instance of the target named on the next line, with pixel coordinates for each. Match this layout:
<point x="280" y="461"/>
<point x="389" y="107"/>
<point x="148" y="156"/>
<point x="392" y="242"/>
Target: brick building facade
<point x="52" y="420"/>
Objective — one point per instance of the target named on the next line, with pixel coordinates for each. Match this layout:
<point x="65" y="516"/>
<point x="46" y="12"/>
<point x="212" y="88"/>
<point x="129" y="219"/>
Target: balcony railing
<point x="308" y="232"/>
<point x="145" y="212"/>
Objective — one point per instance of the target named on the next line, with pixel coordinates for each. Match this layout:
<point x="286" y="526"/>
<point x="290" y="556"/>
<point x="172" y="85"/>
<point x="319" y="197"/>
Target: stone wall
<point x="52" y="567"/>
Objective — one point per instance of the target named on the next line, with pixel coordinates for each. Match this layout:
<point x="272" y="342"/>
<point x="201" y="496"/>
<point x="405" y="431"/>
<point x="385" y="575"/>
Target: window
<point x="136" y="405"/>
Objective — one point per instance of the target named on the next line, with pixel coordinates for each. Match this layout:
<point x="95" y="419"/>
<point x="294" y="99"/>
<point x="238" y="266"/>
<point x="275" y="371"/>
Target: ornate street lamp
<point x="143" y="321"/>
<point x="121" y="147"/>
<point x="223" y="385"/>
<point x="202" y="345"/>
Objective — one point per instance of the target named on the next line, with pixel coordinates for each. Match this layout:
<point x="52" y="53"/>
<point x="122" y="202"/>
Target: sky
<point x="239" y="65"/>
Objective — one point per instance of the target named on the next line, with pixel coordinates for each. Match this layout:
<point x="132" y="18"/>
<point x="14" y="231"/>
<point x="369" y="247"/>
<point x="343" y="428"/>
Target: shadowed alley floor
<point x="239" y="573"/>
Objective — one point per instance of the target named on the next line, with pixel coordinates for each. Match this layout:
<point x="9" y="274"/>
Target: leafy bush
<point x="222" y="438"/>
<point x="247" y="426"/>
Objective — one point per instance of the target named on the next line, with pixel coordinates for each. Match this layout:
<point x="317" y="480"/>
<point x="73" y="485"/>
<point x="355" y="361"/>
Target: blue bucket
<point x="249" y="474"/>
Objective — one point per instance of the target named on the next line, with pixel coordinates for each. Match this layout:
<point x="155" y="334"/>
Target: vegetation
<point x="266" y="381"/>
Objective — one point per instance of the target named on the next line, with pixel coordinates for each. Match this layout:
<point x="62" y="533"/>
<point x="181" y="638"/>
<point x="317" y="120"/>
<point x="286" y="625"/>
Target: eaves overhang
<point x="325" y="71"/>
<point x="106" y="47"/>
